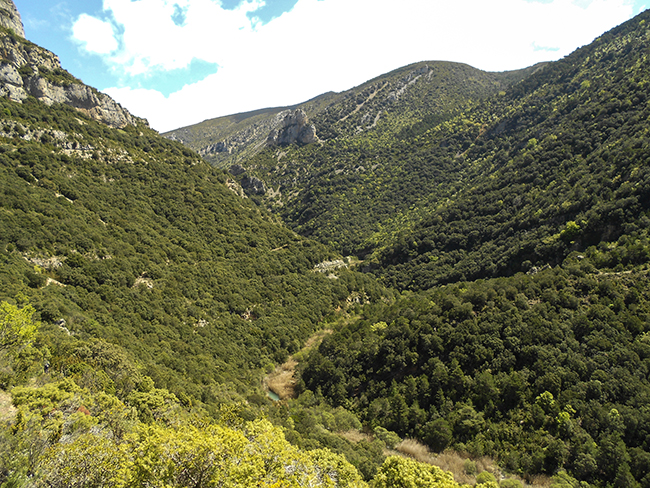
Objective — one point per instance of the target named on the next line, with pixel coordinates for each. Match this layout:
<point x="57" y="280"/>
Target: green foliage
<point x="511" y="483"/>
<point x="64" y="436"/>
<point x="556" y="168"/>
<point x="17" y="329"/>
<point x="391" y="439"/>
<point x="19" y="355"/>
<point x="485" y="477"/>
<point x="538" y="371"/>
<point x="398" y="472"/>
<point x="125" y="236"/>
<point x="160" y="297"/>
<point x="469" y="467"/>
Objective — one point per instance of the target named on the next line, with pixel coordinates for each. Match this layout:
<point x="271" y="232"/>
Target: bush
<point x="485" y="477"/>
<point x="469" y="467"/>
<point x="511" y="483"/>
<point x="390" y="438"/>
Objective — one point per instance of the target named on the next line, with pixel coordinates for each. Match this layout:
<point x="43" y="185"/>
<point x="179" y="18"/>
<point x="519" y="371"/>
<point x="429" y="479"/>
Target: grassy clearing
<point x="464" y="468"/>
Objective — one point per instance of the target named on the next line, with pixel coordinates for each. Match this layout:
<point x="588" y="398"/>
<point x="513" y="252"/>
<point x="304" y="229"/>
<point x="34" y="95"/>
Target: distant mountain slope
<point x="468" y="174"/>
<point x="366" y="173"/>
<point x="403" y="96"/>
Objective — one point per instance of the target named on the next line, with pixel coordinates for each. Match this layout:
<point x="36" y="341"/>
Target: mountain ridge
<point x="29" y="70"/>
<point x="240" y="139"/>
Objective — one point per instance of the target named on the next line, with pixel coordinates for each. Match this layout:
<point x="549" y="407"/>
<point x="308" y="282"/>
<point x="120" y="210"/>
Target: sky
<point x="179" y="62"/>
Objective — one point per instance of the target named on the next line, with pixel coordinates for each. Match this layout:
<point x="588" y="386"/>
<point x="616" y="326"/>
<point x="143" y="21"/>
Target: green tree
<point x="17" y="329"/>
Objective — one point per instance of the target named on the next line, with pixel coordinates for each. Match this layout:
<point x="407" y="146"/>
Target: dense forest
<point x="546" y="371"/>
<point x="456" y="270"/>
<point x="492" y="186"/>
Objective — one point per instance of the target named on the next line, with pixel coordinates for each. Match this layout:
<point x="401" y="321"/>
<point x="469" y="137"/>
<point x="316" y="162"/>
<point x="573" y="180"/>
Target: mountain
<point x="127" y="236"/>
<point x="467" y="174"/>
<point x="555" y="165"/>
<point x="29" y="70"/>
<point x="144" y="297"/>
<point x="10" y="18"/>
<point x="522" y="328"/>
<point x="502" y="315"/>
<point x="406" y="95"/>
<point x="363" y="153"/>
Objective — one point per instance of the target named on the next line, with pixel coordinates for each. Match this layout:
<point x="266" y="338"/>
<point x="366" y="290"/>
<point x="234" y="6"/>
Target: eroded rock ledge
<point x="29" y="70"/>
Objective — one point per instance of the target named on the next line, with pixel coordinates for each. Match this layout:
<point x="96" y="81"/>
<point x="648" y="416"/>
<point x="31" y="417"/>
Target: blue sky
<point x="178" y="62"/>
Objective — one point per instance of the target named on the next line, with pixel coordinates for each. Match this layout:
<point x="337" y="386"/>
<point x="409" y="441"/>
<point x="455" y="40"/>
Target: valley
<point x="441" y="275"/>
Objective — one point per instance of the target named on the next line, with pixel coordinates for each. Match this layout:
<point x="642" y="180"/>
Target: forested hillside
<point x="452" y="183"/>
<point x="545" y="372"/>
<point x="500" y="219"/>
<point x="558" y="163"/>
<point x="365" y="175"/>
<point x="142" y="300"/>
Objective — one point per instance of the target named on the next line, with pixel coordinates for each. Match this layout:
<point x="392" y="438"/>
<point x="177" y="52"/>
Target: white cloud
<point x="324" y="45"/>
<point x="96" y="35"/>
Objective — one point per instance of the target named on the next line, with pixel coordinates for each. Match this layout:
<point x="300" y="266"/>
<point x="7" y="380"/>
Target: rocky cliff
<point x="295" y="129"/>
<point x="29" y="70"/>
<point x="10" y="18"/>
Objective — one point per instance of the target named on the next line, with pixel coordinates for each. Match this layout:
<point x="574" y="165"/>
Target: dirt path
<point x="282" y="381"/>
<point x="7" y="410"/>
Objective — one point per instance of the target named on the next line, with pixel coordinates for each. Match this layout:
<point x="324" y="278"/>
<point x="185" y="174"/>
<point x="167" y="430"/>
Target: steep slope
<point x="143" y="299"/>
<point x="10" y="18"/>
<point x="29" y="70"/>
<point x="545" y="372"/>
<point x="132" y="238"/>
<point x="557" y="164"/>
<point x="123" y="235"/>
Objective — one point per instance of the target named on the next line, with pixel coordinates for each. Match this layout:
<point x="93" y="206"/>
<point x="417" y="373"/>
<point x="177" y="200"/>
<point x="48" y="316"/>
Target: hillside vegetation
<point x="367" y="176"/>
<point x="501" y="224"/>
<point x="558" y="163"/>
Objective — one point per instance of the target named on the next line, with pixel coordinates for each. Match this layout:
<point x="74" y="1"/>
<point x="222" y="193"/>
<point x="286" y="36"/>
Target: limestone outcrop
<point x="29" y="70"/>
<point x="10" y="18"/>
<point x="294" y="129"/>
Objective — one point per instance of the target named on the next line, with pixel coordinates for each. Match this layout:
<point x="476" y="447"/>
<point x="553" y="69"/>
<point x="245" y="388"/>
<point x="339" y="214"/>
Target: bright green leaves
<point x="207" y="456"/>
<point x="17" y="329"/>
<point x="89" y="461"/>
<point x="65" y="436"/>
<point x="397" y="472"/>
<point x="19" y="358"/>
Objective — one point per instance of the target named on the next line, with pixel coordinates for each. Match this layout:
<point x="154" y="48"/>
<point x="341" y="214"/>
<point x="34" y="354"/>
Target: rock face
<point x="29" y="70"/>
<point x="10" y="18"/>
<point x="253" y="185"/>
<point x="294" y="129"/>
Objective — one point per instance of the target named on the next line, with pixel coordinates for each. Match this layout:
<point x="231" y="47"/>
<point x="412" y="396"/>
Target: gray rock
<point x="294" y="129"/>
<point x="253" y="185"/>
<point x="10" y="18"/>
<point x="25" y="71"/>
<point x="219" y="147"/>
